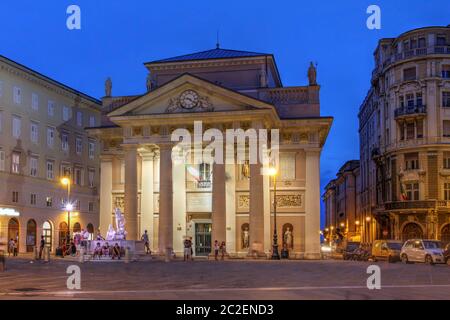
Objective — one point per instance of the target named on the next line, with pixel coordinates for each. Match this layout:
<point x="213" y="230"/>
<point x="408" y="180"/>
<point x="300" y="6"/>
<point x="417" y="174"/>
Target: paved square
<point x="237" y="280"/>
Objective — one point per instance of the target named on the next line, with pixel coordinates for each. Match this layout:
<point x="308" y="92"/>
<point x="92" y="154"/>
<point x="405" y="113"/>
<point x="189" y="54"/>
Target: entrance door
<point x="47" y="233"/>
<point x="13" y="231"/>
<point x="203" y="239"/>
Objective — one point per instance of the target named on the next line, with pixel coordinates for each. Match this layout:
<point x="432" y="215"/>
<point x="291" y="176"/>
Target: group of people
<point x="219" y="248"/>
<point x="108" y="251"/>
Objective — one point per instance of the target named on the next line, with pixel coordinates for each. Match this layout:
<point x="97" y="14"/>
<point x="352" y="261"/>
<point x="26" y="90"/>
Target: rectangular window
<point x="410" y="130"/>
<point x="91" y="207"/>
<point x="66" y="113"/>
<point x="91" y="177"/>
<point x="410" y="100"/>
<point x="15" y="197"/>
<point x="16" y="127"/>
<point x="79" y="146"/>
<point x="2" y="160"/>
<point x="34" y="132"/>
<point x="50" y="171"/>
<point x="91" y="149"/>
<point x="446" y="160"/>
<point x="446" y="71"/>
<point x="49" y="202"/>
<point x="77" y="205"/>
<point x="441" y="41"/>
<point x="50" y="137"/>
<point x="78" y="176"/>
<point x="15" y="162"/>
<point x="412" y="161"/>
<point x="419" y="100"/>
<point x="33" y="199"/>
<point x="402" y="101"/>
<point x="17" y="95"/>
<point x="446" y="128"/>
<point x="79" y="119"/>
<point x="446" y="99"/>
<point x="91" y="121"/>
<point x="65" y="142"/>
<point x="422" y="43"/>
<point x="446" y="191"/>
<point x="34" y="101"/>
<point x="419" y="128"/>
<point x="51" y="108"/>
<point x="33" y="167"/>
<point x="412" y="191"/>
<point x="409" y="74"/>
<point x="66" y="171"/>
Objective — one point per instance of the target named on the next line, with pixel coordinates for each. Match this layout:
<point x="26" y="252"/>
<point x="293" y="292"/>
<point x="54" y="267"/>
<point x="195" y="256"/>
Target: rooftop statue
<point x="312" y="75"/>
<point x="108" y="87"/>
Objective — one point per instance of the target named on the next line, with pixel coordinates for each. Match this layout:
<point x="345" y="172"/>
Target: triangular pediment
<point x="189" y="94"/>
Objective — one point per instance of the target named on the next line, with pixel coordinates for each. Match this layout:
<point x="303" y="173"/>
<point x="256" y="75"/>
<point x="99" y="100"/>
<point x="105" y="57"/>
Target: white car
<point x="418" y="250"/>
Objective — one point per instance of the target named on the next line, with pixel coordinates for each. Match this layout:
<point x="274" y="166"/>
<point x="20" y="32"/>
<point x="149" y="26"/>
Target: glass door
<point x="203" y="239"/>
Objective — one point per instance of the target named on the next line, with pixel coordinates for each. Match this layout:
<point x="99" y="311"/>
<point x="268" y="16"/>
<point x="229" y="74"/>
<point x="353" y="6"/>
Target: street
<point x="233" y="279"/>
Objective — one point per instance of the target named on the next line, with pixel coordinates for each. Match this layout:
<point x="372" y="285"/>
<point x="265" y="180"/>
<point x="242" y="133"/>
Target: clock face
<point x="189" y="99"/>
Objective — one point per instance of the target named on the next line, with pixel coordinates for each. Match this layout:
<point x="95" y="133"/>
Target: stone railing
<point x="292" y="95"/>
<point x="421" y="204"/>
<point x="410" y="110"/>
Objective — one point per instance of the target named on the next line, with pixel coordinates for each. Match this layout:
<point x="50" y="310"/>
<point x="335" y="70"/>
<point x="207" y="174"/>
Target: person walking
<point x="216" y="250"/>
<point x="223" y="250"/>
<point x="146" y="242"/>
<point x="10" y="247"/>
<point x="41" y="247"/>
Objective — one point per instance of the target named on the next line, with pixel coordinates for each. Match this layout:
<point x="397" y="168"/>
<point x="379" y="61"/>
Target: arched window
<point x="445" y="234"/>
<point x="76" y="227"/>
<point x="47" y="233"/>
<point x="31" y="235"/>
<point x="412" y="231"/>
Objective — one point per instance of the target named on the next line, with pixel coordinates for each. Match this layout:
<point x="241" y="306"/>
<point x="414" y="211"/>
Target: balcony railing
<point x="410" y="110"/>
<point x="420" y="204"/>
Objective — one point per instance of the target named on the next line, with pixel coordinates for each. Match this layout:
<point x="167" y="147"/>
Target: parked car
<point x="349" y="250"/>
<point x="447" y="253"/>
<point x="417" y="250"/>
<point x="386" y="250"/>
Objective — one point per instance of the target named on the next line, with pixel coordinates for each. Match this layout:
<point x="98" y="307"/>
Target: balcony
<point x="421" y="204"/>
<point x="418" y="110"/>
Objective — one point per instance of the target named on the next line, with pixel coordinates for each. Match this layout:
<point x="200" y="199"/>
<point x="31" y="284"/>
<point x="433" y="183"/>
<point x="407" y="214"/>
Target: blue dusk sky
<point x="118" y="36"/>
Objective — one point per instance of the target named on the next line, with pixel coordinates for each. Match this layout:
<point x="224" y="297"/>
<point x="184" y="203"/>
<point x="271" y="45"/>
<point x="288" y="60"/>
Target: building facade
<point x="42" y="139"/>
<point x="342" y="207"/>
<point x="404" y="130"/>
<point x="224" y="90"/>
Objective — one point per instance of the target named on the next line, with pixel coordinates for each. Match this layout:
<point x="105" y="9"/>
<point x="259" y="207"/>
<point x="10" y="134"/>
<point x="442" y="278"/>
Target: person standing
<point x="41" y="247"/>
<point x="146" y="242"/>
<point x="10" y="247"/>
<point x="187" y="249"/>
<point x="223" y="250"/>
<point x="216" y="250"/>
<point x="15" y="248"/>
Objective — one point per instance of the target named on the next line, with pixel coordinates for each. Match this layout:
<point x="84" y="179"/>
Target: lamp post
<point x="69" y="207"/>
<point x="275" y="255"/>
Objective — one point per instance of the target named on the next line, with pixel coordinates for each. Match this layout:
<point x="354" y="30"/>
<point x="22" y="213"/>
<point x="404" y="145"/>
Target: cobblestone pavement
<point x="235" y="280"/>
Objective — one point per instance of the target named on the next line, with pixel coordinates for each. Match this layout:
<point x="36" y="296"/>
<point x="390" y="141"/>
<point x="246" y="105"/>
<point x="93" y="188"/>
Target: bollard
<point x="127" y="255"/>
<point x="2" y="261"/>
<point x="168" y="254"/>
<point x="81" y="259"/>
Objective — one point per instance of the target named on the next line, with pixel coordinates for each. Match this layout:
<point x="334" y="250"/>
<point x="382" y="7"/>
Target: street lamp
<point x="273" y="173"/>
<point x="69" y="206"/>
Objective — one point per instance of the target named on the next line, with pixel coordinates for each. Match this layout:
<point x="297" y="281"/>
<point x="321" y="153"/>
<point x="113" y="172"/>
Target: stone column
<point x="256" y="208"/>
<point x="147" y="194"/>
<point x="131" y="192"/>
<point x="179" y="204"/>
<point x="106" y="209"/>
<point x="218" y="203"/>
<point x="230" y="210"/>
<point x="165" y="233"/>
<point x="312" y="205"/>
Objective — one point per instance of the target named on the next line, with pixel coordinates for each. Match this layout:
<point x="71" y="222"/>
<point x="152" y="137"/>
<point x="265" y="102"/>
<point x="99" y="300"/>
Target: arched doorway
<point x="62" y="234"/>
<point x="90" y="230"/>
<point x="47" y="234"/>
<point x="445" y="234"/>
<point x="412" y="231"/>
<point x="31" y="235"/>
<point x="76" y="227"/>
<point x="13" y="231"/>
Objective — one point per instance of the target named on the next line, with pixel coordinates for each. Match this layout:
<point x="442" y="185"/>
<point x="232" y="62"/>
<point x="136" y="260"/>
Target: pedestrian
<point x="146" y="242"/>
<point x="15" y="248"/>
<point x="192" y="250"/>
<point x="10" y="247"/>
<point x="41" y="247"/>
<point x="216" y="250"/>
<point x="223" y="250"/>
<point x="187" y="249"/>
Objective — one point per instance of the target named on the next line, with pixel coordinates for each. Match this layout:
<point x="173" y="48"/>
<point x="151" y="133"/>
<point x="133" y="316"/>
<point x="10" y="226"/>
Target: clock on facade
<point x="189" y="99"/>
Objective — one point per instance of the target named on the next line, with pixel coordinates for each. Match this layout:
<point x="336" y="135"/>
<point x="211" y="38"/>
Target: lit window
<point x="49" y="202"/>
<point x="15" y="163"/>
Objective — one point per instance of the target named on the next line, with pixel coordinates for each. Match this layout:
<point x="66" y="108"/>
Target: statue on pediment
<point x="108" y="87"/>
<point x="149" y="83"/>
<point x="312" y="75"/>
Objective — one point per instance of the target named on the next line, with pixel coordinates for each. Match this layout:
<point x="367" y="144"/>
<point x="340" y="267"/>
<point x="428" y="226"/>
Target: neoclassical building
<point x="222" y="89"/>
<point x="404" y="129"/>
